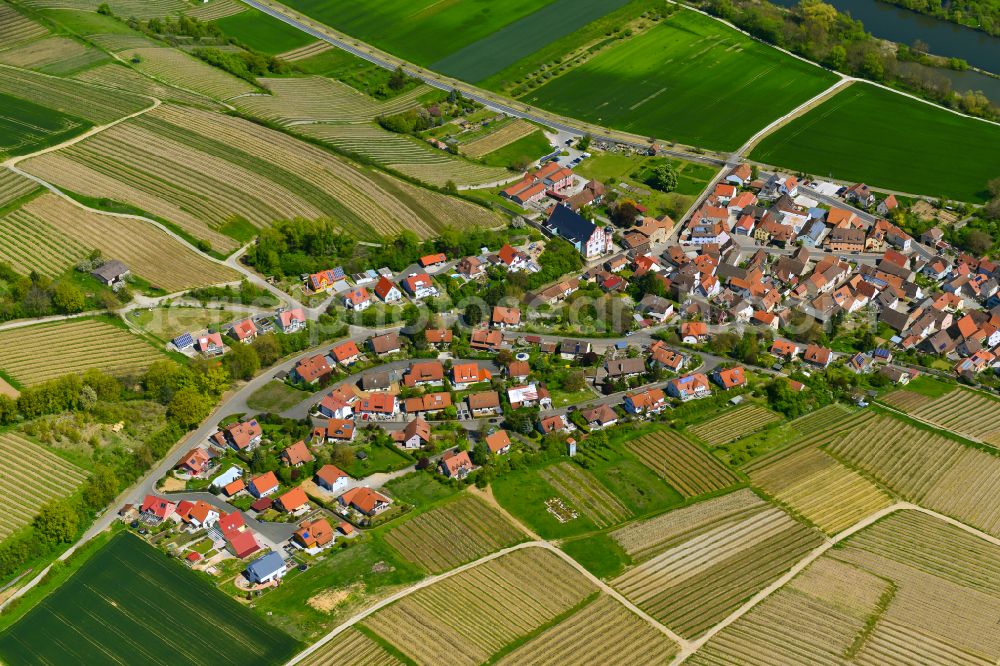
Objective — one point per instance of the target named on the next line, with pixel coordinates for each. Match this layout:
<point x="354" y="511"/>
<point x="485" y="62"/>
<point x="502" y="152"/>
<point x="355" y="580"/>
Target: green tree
<point x="102" y="487"/>
<point x="188" y="407"/>
<point x="68" y="297"/>
<point x="664" y="177"/>
<point x="57" y="522"/>
<point x="242" y="362"/>
<point x="575" y="381"/>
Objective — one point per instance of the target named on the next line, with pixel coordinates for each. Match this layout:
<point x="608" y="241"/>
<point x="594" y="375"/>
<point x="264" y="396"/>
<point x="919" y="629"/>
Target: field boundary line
<point x="430" y="580"/>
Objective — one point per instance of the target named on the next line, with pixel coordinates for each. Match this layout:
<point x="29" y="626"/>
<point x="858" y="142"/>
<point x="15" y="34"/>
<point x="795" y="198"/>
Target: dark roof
<point x="110" y="270"/>
<point x="570" y="225"/>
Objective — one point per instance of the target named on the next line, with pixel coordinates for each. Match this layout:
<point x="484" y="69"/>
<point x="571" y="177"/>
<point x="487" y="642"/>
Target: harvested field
<point x="507" y="134"/>
<point x="96" y="105"/>
<point x="199" y="170"/>
<point x="906" y="401"/>
<point x="734" y="424"/>
<point x="317" y="99"/>
<point x="586" y="493"/>
<point x="453" y="534"/>
<point x="179" y="69"/>
<point x="30" y="476"/>
<point x="820" y="489"/>
<point x="116" y="75"/>
<point x="38" y="353"/>
<point x="351" y="648"/>
<point x="812" y="621"/>
<point x="928" y="469"/>
<point x="14" y="186"/>
<point x="603" y="632"/>
<point x="681" y="463"/>
<point x="525" y="589"/>
<point x="695" y="584"/>
<point x="307" y="51"/>
<point x="53" y="55"/>
<point x="216" y="9"/>
<point x="822" y="419"/>
<point x="967" y="413"/>
<point x="404" y="154"/>
<point x="16" y="27"/>
<point x="142" y="9"/>
<point x="52" y="234"/>
<point x="647" y="537"/>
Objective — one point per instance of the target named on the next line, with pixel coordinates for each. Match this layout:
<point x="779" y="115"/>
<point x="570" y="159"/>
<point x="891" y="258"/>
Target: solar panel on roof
<point x="183" y="341"/>
<point x="338" y="273"/>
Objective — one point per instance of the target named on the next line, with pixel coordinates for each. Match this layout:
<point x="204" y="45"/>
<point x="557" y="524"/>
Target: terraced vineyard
<point x="116" y="75"/>
<point x="812" y="621"/>
<point x="695" y="584"/>
<point x="928" y="469"/>
<point x="404" y="154"/>
<point x="37" y="353"/>
<point x="906" y="401"/>
<point x="525" y="589"/>
<point x="16" y="27"/>
<point x="815" y="438"/>
<point x="681" y="463"/>
<point x="965" y="412"/>
<point x="819" y="488"/>
<point x="321" y="100"/>
<point x="199" y="170"/>
<point x="586" y="493"/>
<point x="307" y="51"/>
<point x="648" y="537"/>
<point x="117" y="42"/>
<point x="30" y="476"/>
<point x="459" y="532"/>
<point x="91" y="103"/>
<point x="50" y="235"/>
<point x="351" y="648"/>
<point x="603" y="632"/>
<point x="216" y="9"/>
<point x="179" y="69"/>
<point x="14" y="186"/>
<point x="732" y="425"/>
<point x="506" y="135"/>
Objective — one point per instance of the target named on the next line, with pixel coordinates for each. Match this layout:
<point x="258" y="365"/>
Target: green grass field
<point x="689" y="79"/>
<point x="421" y="31"/>
<point x="26" y="127"/>
<point x="262" y="32"/>
<point x="525" y="149"/>
<point x="130" y="604"/>
<point x="890" y="141"/>
<point x="519" y="39"/>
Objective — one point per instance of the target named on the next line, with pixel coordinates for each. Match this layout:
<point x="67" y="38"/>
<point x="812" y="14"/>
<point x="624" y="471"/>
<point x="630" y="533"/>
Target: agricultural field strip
<point x="216" y="9"/>
<point x="692" y="586"/>
<point x="813" y="439"/>
<point x="29" y="477"/>
<point x="115" y="75"/>
<point x="682" y="463"/>
<point x="602" y="632"/>
<point x="75" y="98"/>
<point x="929" y="469"/>
<point x="733" y="425"/>
<point x="139" y="8"/>
<point x="504" y="136"/>
<point x="16" y="27"/>
<point x="450" y="535"/>
<point x="655" y="534"/>
<point x="46" y="351"/>
<point x="905" y="401"/>
<point x="586" y="493"/>
<point x="430" y="580"/>
<point x="819" y="488"/>
<point x="477" y="612"/>
<point x="187" y="72"/>
<point x="14" y="186"/>
<point x="29" y="243"/>
<point x="821" y="419"/>
<point x="964" y="412"/>
<point x="53" y="55"/>
<point x="351" y="648"/>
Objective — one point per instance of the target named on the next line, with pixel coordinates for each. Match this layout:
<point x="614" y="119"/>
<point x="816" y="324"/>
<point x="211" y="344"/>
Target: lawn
<point x="598" y="553"/>
<point x="889" y="141"/>
<point x="421" y="31"/>
<point x="26" y="126"/>
<point x="276" y="397"/>
<point x="262" y="32"/>
<point x="521" y="152"/>
<point x="128" y="604"/>
<point x="524" y="493"/>
<point x="168" y="323"/>
<point x="689" y="79"/>
<point x="380" y="459"/>
<point x="419" y="489"/>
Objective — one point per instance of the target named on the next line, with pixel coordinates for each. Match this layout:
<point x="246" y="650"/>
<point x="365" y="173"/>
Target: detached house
<point x="387" y="291"/>
<point x="590" y="240"/>
<point x="819" y="356"/>
<point x="312" y="369"/>
<point x="420" y="286"/>
<point x="157" y="509"/>
<point x="297" y="454"/>
<point x="600" y="417"/>
<point x="346" y="353"/>
<point x="387" y="343"/>
<point x="210" y="345"/>
<point x="625" y="368"/>
<point x="693" y="332"/>
<point x="689" y="387"/>
<point x="471" y="268"/>
<point x="291" y="321"/>
<point x="668" y="358"/>
<point x="357" y="299"/>
<point x="730" y="378"/>
<point x="485" y="403"/>
<point x="415" y="435"/>
<point x="424" y="373"/>
<point x="651" y="401"/>
<point x="336" y="430"/>
<point x="332" y="478"/>
<point x="498" y="443"/>
<point x="365" y="501"/>
<point x="455" y="465"/>
<point x="263" y="485"/>
<point x="505" y="317"/>
<point x="241" y="436"/>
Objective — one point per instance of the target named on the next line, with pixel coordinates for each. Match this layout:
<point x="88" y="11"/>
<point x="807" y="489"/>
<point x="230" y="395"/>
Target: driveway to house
<point x="276" y="533"/>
